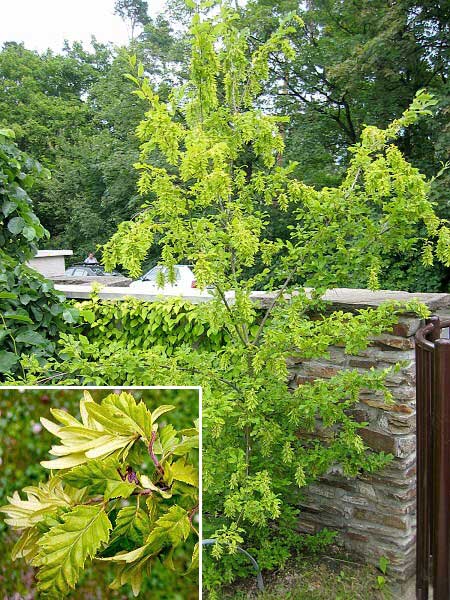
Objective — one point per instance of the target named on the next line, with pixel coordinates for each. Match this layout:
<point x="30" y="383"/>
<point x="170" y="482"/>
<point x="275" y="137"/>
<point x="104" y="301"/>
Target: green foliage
<point x="359" y="64"/>
<point x="383" y="567"/>
<point x="130" y="499"/>
<point x="208" y="202"/>
<point x="32" y="313"/>
<point x="132" y="323"/>
<point x="73" y="111"/>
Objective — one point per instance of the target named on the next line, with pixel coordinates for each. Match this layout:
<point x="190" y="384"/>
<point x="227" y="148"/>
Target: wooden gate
<point x="433" y="461"/>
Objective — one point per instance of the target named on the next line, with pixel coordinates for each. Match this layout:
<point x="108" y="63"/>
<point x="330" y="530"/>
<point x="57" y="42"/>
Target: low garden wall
<point x="374" y="514"/>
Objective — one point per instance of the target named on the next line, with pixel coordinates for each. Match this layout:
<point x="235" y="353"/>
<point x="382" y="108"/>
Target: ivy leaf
<point x="31" y="337"/>
<point x="29" y="233"/>
<point x="8" y="207"/>
<point x="65" y="548"/>
<point x="20" y="315"/>
<point x="70" y="315"/>
<point x="7" y="360"/>
<point x="100" y="477"/>
<point x="8" y="296"/>
<point x="15" y="225"/>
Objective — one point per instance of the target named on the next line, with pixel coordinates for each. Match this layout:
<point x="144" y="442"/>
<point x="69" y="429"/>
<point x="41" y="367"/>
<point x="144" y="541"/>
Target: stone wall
<point x="374" y="514"/>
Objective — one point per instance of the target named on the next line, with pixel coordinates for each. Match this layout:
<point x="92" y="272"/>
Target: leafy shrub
<point x="142" y="325"/>
<point x="210" y="206"/>
<point x="111" y="506"/>
<point x="32" y="313"/>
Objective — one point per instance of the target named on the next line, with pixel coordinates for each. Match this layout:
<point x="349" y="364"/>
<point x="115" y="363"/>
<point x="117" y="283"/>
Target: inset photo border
<point x="100" y="491"/>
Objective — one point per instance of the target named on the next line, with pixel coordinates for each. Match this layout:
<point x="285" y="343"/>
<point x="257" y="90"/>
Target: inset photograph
<point x="99" y="493"/>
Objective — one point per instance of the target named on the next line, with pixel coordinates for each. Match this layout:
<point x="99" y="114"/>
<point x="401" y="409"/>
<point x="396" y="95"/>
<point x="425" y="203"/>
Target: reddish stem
<point x="192" y="513"/>
<point x="153" y="456"/>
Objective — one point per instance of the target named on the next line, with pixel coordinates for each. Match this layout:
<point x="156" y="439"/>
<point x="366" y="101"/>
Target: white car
<point x="184" y="280"/>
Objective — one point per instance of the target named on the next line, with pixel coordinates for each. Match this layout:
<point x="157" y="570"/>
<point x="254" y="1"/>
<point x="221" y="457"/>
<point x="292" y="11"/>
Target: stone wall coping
<point x="362" y="298"/>
<point x="84" y="291"/>
<point x="341" y="298"/>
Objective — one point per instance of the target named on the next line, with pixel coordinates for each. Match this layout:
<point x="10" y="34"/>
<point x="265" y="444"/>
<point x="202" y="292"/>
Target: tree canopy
<point x="355" y="64"/>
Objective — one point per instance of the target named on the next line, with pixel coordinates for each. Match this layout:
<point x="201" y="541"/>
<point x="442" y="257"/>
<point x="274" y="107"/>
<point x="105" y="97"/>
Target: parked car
<point x="184" y="280"/>
<point x="89" y="270"/>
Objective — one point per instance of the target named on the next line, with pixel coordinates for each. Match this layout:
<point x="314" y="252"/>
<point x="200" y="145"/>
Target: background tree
<point x="44" y="100"/>
<point x="75" y="113"/>
<point x="361" y="63"/>
<point x="133" y="12"/>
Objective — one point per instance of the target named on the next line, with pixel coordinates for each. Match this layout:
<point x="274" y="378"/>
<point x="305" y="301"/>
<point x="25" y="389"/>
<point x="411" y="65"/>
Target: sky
<point x="43" y="24"/>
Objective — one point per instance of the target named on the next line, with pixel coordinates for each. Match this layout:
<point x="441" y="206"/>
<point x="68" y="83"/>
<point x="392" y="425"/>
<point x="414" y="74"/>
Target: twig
<point x="153" y="456"/>
<point x="273" y="303"/>
<point x="227" y="306"/>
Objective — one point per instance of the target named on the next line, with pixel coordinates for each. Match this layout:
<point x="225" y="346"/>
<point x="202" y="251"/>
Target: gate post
<point x="424" y="428"/>
<point x="441" y="475"/>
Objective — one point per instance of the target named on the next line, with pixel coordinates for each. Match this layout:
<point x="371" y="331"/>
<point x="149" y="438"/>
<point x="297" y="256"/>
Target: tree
<point x="43" y="99"/>
<point x="133" y="11"/>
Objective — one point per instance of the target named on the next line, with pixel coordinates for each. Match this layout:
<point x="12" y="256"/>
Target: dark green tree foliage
<point x="74" y="112"/>
<point x="32" y="313"/>
<point x="361" y="63"/>
<point x="43" y="99"/>
<point x="41" y="96"/>
<point x="93" y="183"/>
